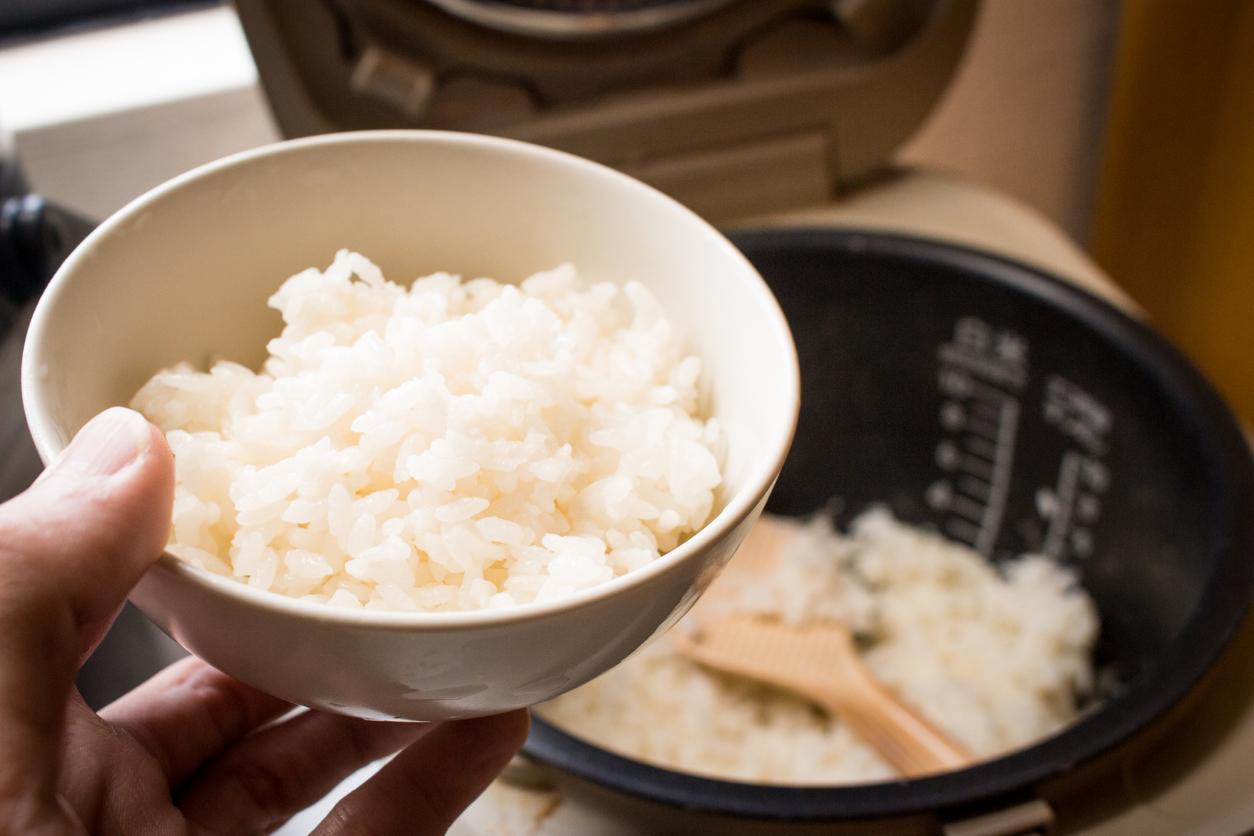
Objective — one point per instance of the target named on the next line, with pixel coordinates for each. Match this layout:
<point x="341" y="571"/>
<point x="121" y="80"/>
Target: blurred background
<point x="1127" y="124"/>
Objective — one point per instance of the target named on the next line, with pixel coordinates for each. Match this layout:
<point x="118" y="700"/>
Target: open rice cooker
<point x="968" y="387"/>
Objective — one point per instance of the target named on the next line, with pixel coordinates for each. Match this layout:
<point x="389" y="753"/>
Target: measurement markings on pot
<point x="1060" y="510"/>
<point x="981" y="371"/>
<point x="1073" y="506"/>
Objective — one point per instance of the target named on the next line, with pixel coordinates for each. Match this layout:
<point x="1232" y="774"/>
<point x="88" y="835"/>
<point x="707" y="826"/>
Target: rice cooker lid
<point x="730" y="105"/>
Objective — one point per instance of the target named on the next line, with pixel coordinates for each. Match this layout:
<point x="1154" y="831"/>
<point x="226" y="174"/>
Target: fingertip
<point x="489" y="743"/>
<point x="159" y="449"/>
<point x="433" y="780"/>
<point x="110" y="443"/>
<point x="508" y="732"/>
<point x="154" y="475"/>
<point x="496" y="737"/>
<point x="140" y="497"/>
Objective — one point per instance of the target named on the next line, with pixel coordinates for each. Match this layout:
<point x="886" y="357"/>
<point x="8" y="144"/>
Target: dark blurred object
<point x="35" y="237"/>
<point x="23" y="18"/>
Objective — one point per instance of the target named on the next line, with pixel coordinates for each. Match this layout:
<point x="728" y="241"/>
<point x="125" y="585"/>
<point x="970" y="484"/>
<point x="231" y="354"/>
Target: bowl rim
<point x="1221" y="610"/>
<point x="739" y="505"/>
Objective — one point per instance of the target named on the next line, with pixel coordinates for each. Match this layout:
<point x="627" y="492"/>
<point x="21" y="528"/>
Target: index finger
<point x="190" y="712"/>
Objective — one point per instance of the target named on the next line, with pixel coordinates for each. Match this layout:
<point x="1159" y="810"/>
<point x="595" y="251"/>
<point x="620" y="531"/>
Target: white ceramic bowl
<point x="183" y="273"/>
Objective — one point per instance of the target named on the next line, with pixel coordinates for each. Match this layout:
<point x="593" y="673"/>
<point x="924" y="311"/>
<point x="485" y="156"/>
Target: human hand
<point x="191" y="749"/>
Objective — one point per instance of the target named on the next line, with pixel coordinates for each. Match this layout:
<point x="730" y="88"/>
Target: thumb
<point x="71" y="548"/>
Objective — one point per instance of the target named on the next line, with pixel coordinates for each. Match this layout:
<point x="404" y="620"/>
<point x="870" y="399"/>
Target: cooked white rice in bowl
<point x="999" y="657"/>
<point x="454" y="445"/>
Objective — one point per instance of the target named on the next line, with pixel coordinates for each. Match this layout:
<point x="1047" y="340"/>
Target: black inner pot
<point x="1011" y="411"/>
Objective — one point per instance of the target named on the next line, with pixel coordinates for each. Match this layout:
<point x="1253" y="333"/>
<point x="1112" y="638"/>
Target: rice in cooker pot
<point x="996" y="656"/>
<point x="453" y="445"/>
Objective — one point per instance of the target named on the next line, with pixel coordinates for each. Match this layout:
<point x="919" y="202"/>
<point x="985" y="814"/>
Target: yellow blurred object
<point x="1175" y="207"/>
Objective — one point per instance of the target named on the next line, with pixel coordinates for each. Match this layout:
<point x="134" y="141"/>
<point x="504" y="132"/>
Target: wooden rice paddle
<point x="821" y="663"/>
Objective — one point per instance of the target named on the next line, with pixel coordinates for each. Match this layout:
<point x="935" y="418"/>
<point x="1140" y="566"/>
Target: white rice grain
<point x="453" y="445"/>
<point x="995" y="657"/>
